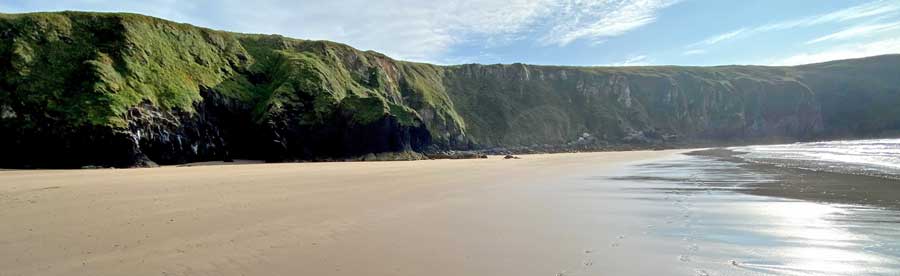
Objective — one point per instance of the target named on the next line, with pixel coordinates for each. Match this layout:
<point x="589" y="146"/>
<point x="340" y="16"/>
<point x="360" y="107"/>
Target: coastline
<point x="816" y="186"/>
<point x="544" y="214"/>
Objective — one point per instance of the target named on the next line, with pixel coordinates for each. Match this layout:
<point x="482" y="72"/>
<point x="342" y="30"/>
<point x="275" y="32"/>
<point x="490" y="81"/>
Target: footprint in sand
<point x="693" y="248"/>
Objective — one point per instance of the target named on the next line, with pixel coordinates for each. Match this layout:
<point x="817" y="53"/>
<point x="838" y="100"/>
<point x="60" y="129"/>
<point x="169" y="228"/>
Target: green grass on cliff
<point x="313" y="76"/>
<point x="74" y="69"/>
<point x="92" y="68"/>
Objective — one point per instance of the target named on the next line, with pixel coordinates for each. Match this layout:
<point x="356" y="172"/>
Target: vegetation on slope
<point x="128" y="76"/>
<point x="104" y="64"/>
<point x="91" y="68"/>
<point x="525" y="105"/>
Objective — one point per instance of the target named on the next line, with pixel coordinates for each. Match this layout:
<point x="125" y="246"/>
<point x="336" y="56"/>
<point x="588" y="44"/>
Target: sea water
<point x="879" y="157"/>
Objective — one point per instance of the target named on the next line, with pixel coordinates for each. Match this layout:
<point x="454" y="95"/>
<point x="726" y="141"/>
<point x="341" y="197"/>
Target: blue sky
<point x="564" y="32"/>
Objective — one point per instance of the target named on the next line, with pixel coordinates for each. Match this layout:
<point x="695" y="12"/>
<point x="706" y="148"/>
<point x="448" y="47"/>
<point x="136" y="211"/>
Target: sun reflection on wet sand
<point x="813" y="243"/>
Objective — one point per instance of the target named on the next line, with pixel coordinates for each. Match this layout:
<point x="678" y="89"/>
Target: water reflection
<point x="725" y="232"/>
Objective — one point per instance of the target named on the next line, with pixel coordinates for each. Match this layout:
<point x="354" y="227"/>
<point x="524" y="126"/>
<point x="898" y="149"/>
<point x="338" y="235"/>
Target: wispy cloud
<point x="637" y="60"/>
<point x="861" y="11"/>
<point x="719" y="38"/>
<point x="868" y="10"/>
<point x="845" y="51"/>
<point x="694" y="52"/>
<point x="575" y="20"/>
<point x="857" y="31"/>
<point x="406" y="29"/>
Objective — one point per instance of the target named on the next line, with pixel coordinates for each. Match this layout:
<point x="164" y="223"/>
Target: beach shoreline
<point x="812" y="185"/>
<point x="543" y="214"/>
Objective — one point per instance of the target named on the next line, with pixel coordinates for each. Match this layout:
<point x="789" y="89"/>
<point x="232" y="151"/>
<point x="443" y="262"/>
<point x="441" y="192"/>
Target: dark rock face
<point x="340" y="137"/>
<point x="217" y="130"/>
<point x="220" y="129"/>
<point x="68" y="148"/>
<point x="153" y="137"/>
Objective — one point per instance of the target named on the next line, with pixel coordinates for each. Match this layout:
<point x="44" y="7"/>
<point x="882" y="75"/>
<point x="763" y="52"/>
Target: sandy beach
<point x="532" y="216"/>
<point x="611" y="213"/>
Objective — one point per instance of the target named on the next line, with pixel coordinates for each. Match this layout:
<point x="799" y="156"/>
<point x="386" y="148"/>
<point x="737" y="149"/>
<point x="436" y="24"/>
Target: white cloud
<point x="694" y="52"/>
<point x="868" y="10"/>
<point x="638" y="60"/>
<point x="406" y="29"/>
<point x="857" y="31"/>
<point x="599" y="19"/>
<point x="845" y="51"/>
<point x="719" y="38"/>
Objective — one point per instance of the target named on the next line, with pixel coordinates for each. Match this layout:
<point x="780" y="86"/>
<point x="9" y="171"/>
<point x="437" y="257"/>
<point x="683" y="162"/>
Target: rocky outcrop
<point x="123" y="90"/>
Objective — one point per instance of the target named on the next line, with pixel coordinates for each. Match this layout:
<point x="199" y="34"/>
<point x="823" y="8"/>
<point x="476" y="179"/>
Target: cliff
<point x="127" y="90"/>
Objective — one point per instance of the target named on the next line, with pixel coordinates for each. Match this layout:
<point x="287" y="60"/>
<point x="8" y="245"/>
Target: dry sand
<point x="540" y="215"/>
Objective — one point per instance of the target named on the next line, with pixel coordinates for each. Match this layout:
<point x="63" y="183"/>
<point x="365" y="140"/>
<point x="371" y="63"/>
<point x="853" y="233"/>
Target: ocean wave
<point x="879" y="157"/>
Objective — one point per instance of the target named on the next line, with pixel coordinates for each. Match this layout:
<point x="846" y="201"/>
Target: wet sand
<point x="816" y="186"/>
<point x="727" y="224"/>
<point x="540" y="215"/>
